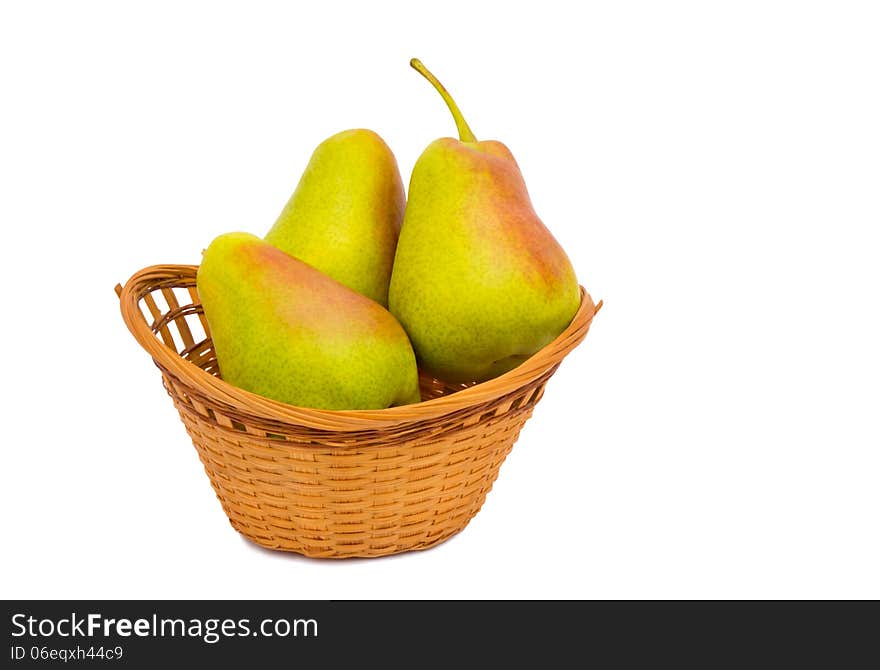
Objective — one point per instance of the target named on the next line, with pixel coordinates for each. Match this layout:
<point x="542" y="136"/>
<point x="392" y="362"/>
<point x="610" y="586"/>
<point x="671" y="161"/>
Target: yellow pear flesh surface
<point x="479" y="283"/>
<point x="283" y="330"/>
<point x="344" y="216"/>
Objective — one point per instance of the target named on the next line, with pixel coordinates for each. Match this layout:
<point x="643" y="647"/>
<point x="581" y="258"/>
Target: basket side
<point x="322" y="497"/>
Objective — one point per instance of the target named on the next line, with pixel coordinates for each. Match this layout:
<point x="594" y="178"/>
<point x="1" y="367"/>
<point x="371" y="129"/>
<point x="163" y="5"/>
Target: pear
<point x="283" y="330"/>
<point x="479" y="283"/>
<point x="345" y="214"/>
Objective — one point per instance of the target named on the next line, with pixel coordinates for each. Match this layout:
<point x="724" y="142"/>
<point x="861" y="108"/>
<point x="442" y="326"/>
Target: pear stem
<point x="464" y="132"/>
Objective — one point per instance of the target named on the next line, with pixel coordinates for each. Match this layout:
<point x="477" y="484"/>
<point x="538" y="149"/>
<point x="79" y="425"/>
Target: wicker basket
<point x="336" y="483"/>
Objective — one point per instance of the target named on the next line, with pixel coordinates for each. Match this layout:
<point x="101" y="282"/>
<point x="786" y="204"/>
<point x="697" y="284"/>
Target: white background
<point x="712" y="170"/>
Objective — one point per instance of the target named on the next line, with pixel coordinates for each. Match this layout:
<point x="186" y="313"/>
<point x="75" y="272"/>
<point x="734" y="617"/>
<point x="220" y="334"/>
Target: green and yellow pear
<point x="286" y="331"/>
<point x="479" y="283"/>
<point x="344" y="216"/>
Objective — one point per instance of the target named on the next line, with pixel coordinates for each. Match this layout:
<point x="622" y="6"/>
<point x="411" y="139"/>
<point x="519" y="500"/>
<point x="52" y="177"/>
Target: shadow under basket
<point x="336" y="484"/>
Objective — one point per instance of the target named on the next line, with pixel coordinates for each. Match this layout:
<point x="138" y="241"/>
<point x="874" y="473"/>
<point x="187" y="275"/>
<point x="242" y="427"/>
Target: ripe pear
<point x="286" y="331"/>
<point x="344" y="216"/>
<point x="479" y="283"/>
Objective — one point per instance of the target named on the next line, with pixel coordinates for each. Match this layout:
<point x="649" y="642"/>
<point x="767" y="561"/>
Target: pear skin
<point x="286" y="331"/>
<point x="479" y="282"/>
<point x="344" y="216"/>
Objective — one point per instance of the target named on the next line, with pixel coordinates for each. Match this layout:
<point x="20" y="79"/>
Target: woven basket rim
<point x="145" y="281"/>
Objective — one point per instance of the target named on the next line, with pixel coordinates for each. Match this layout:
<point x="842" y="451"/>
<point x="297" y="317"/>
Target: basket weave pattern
<point x="328" y="483"/>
